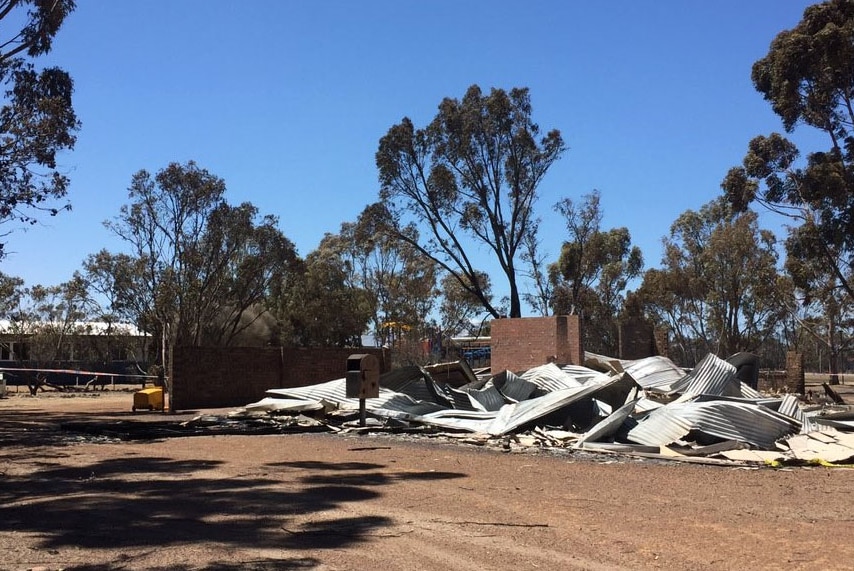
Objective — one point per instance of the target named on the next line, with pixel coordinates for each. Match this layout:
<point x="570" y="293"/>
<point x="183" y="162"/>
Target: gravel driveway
<point x="325" y="502"/>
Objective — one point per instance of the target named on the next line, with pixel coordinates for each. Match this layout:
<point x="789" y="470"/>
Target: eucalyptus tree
<point x="468" y="180"/>
<point x="808" y="78"/>
<point x="51" y="316"/>
<point x="196" y="265"/>
<point x="718" y="289"/>
<point x="37" y="120"/>
<point x="398" y="278"/>
<point x="317" y="305"/>
<point x="47" y="325"/>
<point x="593" y="271"/>
<point x="540" y="299"/>
<point x="458" y="306"/>
<point x="827" y="311"/>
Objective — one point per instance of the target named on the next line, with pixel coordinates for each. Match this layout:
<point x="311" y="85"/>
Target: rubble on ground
<point x="648" y="408"/>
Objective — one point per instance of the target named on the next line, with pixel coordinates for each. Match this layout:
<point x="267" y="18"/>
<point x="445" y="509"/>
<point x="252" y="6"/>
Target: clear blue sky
<point x="287" y="100"/>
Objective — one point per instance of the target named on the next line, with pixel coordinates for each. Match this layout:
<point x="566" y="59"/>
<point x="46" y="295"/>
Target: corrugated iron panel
<point x="821" y="421"/>
<point x="655" y="373"/>
<point x="645" y="405"/>
<point x="513" y="387"/>
<point x="711" y="376"/>
<point x="608" y="426"/>
<point x="753" y="424"/>
<point x="335" y="392"/>
<point x="461" y="399"/>
<point x="512" y="416"/>
<point x="415" y="382"/>
<point x="582" y="374"/>
<point x="661" y="427"/>
<point x="550" y="377"/>
<point x="749" y="392"/>
<point x="790" y="406"/>
<point x="489" y="397"/>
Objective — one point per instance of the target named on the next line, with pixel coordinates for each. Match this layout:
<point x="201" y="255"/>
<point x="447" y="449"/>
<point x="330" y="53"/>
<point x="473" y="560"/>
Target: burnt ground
<point x="89" y="501"/>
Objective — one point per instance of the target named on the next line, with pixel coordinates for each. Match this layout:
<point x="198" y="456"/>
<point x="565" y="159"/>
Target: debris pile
<point x="647" y="407"/>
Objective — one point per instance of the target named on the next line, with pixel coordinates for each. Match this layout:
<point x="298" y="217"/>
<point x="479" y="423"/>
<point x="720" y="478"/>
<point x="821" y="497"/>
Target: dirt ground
<point x="326" y="502"/>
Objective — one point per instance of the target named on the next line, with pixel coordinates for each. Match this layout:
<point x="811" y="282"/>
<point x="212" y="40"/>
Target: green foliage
<point x="718" y="289"/>
<point x="197" y="265"/>
<point x="316" y="305"/>
<point x="398" y="278"/>
<point x="469" y="179"/>
<point x="593" y="271"/>
<point x="37" y="120"/>
<point x="808" y="77"/>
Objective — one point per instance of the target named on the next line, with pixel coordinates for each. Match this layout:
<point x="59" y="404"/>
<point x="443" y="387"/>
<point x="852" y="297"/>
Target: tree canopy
<point x="468" y="179"/>
<point x="37" y="120"/>
<point x="197" y="265"/>
<point x="808" y="78"/>
<point x="317" y="304"/>
<point x="399" y="279"/>
<point x="593" y="271"/>
<point x="718" y="289"/>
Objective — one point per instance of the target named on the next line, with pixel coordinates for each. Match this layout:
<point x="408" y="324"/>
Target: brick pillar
<point x="795" y="372"/>
<point x="521" y="343"/>
<point x="636" y="338"/>
<point x="662" y="341"/>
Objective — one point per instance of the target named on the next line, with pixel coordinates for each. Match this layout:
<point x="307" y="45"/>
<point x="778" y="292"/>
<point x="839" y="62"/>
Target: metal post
<point x="363" y="414"/>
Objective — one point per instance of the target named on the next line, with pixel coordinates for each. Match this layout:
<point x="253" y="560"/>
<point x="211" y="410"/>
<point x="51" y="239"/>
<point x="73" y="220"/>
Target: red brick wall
<point x="521" y="343"/>
<point x="215" y="377"/>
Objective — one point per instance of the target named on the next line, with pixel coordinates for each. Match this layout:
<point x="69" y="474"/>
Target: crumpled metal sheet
<point x="511" y="416"/>
<point x="608" y="426"/>
<point x="335" y="392"/>
<point x="711" y="376"/>
<point x="790" y="406"/>
<point x="513" y="387"/>
<point x="655" y="373"/>
<point x="750" y="423"/>
<point x="650" y="404"/>
<point x="550" y="377"/>
<point x="489" y="398"/>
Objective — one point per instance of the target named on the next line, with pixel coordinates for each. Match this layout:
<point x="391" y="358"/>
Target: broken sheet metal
<point x="489" y="398"/>
<point x="607" y="427"/>
<point x="652" y="408"/>
<point x="655" y="373"/>
<point x="270" y="404"/>
<point x="753" y="424"/>
<point x="711" y="376"/>
<point x="790" y="405"/>
<point x="513" y="387"/>
<point x="455" y="374"/>
<point x="416" y="383"/>
<point x="550" y="377"/>
<point x="334" y="393"/>
<point x="511" y="416"/>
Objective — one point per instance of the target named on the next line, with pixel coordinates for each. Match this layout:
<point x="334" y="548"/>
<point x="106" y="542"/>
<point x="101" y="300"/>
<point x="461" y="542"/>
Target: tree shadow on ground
<point x="286" y="564"/>
<point x="331" y="466"/>
<point x="140" y="501"/>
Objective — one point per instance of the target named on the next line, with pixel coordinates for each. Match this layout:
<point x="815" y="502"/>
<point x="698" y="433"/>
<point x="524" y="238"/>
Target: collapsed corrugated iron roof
<point x="643" y="405"/>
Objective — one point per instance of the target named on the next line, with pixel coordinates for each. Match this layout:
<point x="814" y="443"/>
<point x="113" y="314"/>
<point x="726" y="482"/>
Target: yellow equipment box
<point x="148" y="399"/>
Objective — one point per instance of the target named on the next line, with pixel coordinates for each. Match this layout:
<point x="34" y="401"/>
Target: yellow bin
<point x="148" y="399"/>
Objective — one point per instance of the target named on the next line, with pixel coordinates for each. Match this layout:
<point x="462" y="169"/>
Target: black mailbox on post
<point x="363" y="376"/>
